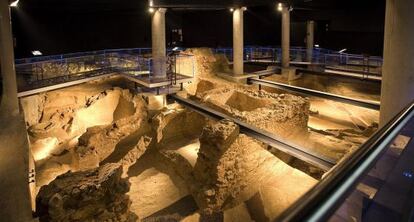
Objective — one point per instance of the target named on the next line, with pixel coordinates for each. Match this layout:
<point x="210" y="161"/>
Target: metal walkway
<point x="360" y="75"/>
<point x="314" y="159"/>
<point x="325" y="71"/>
<point x="61" y="85"/>
<point x="140" y="81"/>
<point x="310" y="92"/>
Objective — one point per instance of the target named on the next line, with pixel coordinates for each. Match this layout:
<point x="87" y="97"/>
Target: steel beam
<point x="314" y="159"/>
<point x="310" y="92"/>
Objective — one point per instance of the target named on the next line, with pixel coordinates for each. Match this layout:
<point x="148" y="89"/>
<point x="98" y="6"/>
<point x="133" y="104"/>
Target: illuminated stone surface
<point x="93" y="195"/>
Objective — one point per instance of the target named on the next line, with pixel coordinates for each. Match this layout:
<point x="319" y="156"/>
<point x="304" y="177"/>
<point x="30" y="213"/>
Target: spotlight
<point x="231" y="9"/>
<point x="244" y="8"/>
<point x="343" y="50"/>
<point x="151" y="3"/>
<point x="14" y="4"/>
<point x="37" y="53"/>
<point x="151" y="10"/>
<point x="279" y="7"/>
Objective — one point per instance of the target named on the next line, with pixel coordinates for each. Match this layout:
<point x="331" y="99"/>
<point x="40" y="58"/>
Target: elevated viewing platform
<point x="40" y="74"/>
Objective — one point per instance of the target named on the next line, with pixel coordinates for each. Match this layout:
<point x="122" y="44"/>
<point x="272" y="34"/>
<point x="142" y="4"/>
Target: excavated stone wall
<point x="282" y="114"/>
<point x="215" y="184"/>
<point x="176" y="123"/>
<point x="100" y="141"/>
<point x="221" y="169"/>
<point x="232" y="168"/>
<point x="206" y="62"/>
<point x="93" y="195"/>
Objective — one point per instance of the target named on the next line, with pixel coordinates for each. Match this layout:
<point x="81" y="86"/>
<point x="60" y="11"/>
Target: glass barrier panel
<point x="385" y="193"/>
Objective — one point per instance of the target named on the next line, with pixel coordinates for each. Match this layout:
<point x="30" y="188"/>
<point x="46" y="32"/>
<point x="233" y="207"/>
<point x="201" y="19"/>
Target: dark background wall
<point x="55" y="27"/>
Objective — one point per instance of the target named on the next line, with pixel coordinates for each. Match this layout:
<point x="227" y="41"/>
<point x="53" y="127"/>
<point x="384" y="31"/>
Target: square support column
<point x="159" y="51"/>
<point x="398" y="68"/>
<point x="9" y="101"/>
<point x="285" y="37"/>
<point x="238" y="42"/>
<point x="14" y="148"/>
<point x="310" y="40"/>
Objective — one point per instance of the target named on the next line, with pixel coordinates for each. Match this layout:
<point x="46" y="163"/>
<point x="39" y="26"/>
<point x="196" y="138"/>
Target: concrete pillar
<point x="15" y="198"/>
<point x="238" y="42"/>
<point x="285" y="37"/>
<point x="398" y="68"/>
<point x="310" y="39"/>
<point x="159" y="51"/>
<point x="9" y="101"/>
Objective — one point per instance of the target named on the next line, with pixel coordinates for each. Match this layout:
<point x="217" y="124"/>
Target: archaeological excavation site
<point x="201" y="127"/>
<point x="106" y="147"/>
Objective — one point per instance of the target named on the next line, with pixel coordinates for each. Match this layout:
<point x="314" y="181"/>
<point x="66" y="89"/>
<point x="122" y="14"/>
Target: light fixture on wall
<point x="244" y="8"/>
<point x="151" y="10"/>
<point x="231" y="9"/>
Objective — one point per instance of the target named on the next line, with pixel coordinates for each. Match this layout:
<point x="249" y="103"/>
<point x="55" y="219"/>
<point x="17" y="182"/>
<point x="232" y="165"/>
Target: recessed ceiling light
<point x="14" y="4"/>
<point x="279" y="7"/>
<point x="37" y="53"/>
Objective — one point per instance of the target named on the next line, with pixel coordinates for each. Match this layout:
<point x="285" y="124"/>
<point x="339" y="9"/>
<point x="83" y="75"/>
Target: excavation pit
<point x="245" y="103"/>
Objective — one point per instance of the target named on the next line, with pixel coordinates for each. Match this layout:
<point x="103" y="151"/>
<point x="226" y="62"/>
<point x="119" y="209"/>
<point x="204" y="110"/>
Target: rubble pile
<point x="93" y="195"/>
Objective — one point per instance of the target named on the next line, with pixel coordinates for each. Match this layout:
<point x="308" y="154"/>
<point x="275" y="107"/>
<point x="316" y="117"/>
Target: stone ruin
<point x="228" y="169"/>
<point x="234" y="171"/>
<point x="281" y="114"/>
<point x="99" y="142"/>
<point x="93" y="195"/>
<point x="213" y="171"/>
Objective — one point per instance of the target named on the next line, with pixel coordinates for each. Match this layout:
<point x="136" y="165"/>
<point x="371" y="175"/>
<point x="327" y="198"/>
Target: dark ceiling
<point x="131" y="4"/>
<point x="60" y="26"/>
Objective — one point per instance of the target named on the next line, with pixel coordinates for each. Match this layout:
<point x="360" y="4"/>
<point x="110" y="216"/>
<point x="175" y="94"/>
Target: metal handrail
<point x="323" y="200"/>
<point x="311" y="92"/>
